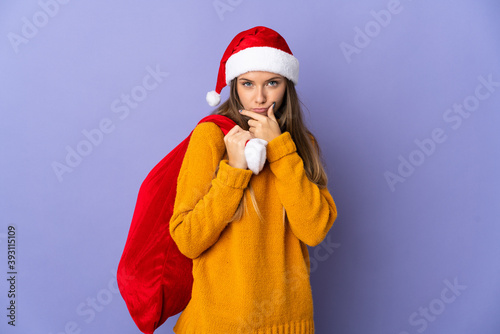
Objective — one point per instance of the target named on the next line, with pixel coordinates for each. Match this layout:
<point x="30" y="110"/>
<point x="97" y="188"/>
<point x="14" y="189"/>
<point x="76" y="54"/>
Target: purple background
<point x="387" y="262"/>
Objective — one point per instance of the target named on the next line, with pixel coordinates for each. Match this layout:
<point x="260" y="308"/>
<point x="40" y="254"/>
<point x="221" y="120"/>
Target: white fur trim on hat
<point x="262" y="58"/>
<point x="213" y="98"/>
<point x="255" y="154"/>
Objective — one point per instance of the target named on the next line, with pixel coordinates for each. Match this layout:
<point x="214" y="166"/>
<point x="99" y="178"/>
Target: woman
<point x="247" y="232"/>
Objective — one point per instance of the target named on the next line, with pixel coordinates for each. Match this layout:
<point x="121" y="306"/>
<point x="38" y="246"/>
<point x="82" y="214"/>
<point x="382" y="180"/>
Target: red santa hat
<point x="255" y="49"/>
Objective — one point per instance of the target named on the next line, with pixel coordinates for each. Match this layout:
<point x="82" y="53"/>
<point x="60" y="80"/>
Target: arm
<point x="204" y="205"/>
<point x="310" y="210"/>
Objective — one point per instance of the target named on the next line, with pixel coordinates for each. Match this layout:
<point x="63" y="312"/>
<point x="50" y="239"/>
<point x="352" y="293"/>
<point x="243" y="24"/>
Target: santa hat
<point x="255" y="49"/>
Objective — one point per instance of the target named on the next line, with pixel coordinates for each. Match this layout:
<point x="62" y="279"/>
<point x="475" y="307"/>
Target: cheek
<point x="243" y="96"/>
<point x="280" y="93"/>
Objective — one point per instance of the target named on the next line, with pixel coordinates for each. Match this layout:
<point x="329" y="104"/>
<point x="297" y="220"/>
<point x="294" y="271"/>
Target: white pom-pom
<point x="255" y="154"/>
<point x="213" y="98"/>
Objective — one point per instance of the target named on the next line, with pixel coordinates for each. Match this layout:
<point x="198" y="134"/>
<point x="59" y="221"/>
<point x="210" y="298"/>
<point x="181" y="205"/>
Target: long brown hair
<point x="290" y="119"/>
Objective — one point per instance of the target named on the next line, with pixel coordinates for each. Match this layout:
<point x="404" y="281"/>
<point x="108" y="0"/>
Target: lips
<point x="259" y="109"/>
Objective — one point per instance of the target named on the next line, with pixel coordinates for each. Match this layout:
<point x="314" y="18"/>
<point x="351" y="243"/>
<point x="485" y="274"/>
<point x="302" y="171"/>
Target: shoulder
<point x="207" y="135"/>
<point x="207" y="131"/>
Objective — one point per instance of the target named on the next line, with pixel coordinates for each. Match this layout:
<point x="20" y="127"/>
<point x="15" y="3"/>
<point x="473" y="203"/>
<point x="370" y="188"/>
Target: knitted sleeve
<point x="203" y="204"/>
<point x="311" y="211"/>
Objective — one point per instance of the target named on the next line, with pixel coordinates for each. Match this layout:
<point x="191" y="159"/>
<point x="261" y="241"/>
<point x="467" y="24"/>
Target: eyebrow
<point x="273" y="78"/>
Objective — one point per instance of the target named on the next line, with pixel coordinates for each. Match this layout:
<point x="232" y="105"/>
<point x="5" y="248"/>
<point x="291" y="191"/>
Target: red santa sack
<point x="154" y="278"/>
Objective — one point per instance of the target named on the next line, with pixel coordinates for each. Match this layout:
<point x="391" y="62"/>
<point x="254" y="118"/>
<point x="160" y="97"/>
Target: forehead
<point x="259" y="76"/>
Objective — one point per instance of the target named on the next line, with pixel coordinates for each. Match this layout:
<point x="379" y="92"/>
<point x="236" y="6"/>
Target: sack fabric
<point x="154" y="278"/>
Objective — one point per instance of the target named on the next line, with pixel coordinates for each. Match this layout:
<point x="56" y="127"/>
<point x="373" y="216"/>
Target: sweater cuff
<point x="280" y="146"/>
<point x="233" y="177"/>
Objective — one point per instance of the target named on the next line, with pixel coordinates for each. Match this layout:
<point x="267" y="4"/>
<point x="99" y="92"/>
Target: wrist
<point x="237" y="165"/>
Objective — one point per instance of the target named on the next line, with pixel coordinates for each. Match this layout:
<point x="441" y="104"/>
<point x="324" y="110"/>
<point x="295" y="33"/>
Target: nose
<point x="260" y="97"/>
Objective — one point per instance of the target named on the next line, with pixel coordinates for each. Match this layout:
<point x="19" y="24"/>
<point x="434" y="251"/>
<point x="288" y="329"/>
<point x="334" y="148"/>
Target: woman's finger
<point x="253" y="114"/>
<point x="244" y="135"/>
<point x="234" y="129"/>
<point x="237" y="137"/>
<point x="253" y="123"/>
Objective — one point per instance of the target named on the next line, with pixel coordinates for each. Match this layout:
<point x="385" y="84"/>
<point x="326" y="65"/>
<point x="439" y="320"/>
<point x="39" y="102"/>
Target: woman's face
<point x="259" y="90"/>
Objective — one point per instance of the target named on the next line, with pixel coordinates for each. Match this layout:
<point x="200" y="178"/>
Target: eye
<point x="246" y="84"/>
<point x="273" y="83"/>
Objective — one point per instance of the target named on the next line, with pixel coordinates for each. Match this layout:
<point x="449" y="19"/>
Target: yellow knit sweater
<point x="250" y="276"/>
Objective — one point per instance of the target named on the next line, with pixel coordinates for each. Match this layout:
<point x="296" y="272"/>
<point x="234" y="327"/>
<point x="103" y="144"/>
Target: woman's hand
<point x="235" y="141"/>
<point x="263" y="127"/>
